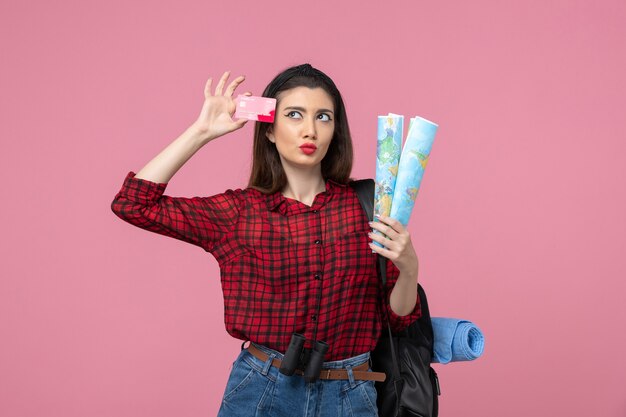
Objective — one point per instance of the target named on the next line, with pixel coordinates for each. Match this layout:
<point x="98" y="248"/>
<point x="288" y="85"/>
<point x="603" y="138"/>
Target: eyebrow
<point x="304" y="110"/>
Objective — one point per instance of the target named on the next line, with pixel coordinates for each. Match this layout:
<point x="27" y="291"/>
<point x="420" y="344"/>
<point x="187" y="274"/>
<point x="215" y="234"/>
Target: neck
<point x="304" y="185"/>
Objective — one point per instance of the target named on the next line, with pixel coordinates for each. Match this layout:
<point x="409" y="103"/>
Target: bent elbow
<point x="125" y="209"/>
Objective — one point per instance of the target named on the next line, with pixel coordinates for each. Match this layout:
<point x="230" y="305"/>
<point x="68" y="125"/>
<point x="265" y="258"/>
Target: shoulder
<point x="355" y="184"/>
<point x="350" y="183"/>
<point x="238" y="198"/>
<point x="240" y="194"/>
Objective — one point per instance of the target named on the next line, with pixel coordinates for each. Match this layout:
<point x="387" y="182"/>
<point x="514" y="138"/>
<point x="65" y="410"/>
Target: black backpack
<point x="411" y="387"/>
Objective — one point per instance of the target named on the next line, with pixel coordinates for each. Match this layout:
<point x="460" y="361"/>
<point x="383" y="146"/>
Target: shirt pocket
<point x="353" y="257"/>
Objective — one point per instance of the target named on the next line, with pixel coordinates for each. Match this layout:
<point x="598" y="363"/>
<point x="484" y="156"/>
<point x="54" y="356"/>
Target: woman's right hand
<point x="215" y="117"/>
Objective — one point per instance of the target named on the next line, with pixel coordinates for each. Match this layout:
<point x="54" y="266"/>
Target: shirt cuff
<point x="399" y="323"/>
<point x="139" y="190"/>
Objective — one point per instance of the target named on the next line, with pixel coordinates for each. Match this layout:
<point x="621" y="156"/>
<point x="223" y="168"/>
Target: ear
<point x="270" y="135"/>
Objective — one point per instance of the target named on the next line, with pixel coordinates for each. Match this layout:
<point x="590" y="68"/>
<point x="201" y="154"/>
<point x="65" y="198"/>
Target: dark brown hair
<point x="267" y="174"/>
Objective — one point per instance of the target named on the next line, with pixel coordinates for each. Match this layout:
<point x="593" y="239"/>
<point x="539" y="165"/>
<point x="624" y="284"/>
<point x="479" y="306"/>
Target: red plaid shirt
<point x="285" y="267"/>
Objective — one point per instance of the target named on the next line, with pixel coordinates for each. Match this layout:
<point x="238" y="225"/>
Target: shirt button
<point x="314" y="211"/>
<point x="313" y="317"/>
<point x="317" y="242"/>
<point x="318" y="276"/>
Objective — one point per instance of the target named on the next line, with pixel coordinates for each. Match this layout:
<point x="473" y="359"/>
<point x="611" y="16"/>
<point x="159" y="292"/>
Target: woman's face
<point x="303" y="126"/>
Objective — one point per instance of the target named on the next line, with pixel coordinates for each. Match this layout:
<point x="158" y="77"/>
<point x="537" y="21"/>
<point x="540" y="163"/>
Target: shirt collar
<point x="281" y="204"/>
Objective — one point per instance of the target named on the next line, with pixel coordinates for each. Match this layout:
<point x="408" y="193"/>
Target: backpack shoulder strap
<point x="365" y="189"/>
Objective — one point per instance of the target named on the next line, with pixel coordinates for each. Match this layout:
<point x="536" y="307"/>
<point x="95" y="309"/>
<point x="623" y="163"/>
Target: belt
<point x="359" y="372"/>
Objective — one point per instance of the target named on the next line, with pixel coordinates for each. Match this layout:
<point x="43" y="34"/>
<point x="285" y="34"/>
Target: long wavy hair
<point x="267" y="174"/>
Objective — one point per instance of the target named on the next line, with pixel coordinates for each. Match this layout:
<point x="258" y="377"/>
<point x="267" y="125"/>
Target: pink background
<point x="519" y="224"/>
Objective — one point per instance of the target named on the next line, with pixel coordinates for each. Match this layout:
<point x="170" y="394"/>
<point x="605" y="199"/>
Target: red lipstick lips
<point x="308" y="148"/>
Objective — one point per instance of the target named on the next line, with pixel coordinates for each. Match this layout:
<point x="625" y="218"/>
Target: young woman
<point x="294" y="249"/>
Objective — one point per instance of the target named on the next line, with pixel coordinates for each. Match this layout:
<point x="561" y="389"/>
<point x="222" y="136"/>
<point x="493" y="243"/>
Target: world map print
<point x="389" y="145"/>
<point x="413" y="161"/>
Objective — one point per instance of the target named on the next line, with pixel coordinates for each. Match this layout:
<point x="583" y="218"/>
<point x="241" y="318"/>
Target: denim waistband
<point x="340" y="364"/>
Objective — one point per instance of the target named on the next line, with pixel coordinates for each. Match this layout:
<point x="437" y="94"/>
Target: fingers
<point x="207" y="88"/>
<point x="393" y="223"/>
<point x="241" y="123"/>
<point x="220" y="84"/>
<point x="237" y="124"/>
<point x="233" y="85"/>
<point x="386" y="229"/>
<point x="384" y="252"/>
<point x="397" y="245"/>
<point x="385" y="241"/>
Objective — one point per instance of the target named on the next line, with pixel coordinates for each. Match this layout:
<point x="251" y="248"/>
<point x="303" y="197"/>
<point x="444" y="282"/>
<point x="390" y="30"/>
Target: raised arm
<point x="215" y="120"/>
<point x="198" y="220"/>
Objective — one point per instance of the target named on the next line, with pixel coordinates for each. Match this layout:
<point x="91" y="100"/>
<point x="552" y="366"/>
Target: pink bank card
<point x="261" y="109"/>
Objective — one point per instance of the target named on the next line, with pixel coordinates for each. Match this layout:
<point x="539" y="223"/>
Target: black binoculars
<point x="311" y="359"/>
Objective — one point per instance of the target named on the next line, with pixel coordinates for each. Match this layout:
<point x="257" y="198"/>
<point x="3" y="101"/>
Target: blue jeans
<point x="256" y="388"/>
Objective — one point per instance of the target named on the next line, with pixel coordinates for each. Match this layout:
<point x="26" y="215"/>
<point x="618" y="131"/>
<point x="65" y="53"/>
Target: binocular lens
<point x="312" y="371"/>
<point x="292" y="356"/>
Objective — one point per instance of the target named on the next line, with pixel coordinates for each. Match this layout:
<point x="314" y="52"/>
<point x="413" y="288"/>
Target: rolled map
<point x="413" y="162"/>
<point x="389" y="146"/>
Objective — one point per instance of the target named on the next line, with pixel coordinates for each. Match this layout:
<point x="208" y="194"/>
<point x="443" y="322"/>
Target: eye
<point x="328" y="119"/>
<point x="293" y="111"/>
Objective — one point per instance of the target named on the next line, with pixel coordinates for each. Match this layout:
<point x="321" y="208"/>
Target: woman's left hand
<point x="397" y="245"/>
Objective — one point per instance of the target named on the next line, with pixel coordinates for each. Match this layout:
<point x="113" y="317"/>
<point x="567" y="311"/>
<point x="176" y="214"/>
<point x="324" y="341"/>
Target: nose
<point x="309" y="129"/>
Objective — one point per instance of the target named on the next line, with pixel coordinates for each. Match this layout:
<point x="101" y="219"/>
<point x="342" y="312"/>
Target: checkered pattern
<point x="285" y="267"/>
